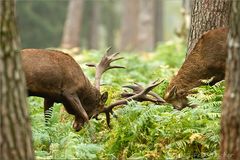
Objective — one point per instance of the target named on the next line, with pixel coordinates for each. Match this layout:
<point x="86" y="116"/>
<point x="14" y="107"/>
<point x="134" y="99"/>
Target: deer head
<point x="176" y="97"/>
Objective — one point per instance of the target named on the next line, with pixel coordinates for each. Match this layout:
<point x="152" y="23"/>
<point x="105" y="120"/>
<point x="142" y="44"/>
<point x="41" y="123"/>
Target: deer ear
<point x="173" y="91"/>
<point x="104" y="98"/>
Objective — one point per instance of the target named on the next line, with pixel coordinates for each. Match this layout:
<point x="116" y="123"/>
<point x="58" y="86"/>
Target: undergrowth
<point x="142" y="130"/>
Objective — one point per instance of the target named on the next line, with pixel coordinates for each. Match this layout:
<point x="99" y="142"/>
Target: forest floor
<point x="142" y="130"/>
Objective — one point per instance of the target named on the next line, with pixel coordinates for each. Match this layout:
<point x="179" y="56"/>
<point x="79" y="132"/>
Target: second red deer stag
<point x="205" y="61"/>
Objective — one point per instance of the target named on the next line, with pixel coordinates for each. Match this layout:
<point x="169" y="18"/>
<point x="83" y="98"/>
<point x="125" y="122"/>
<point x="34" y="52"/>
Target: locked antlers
<point x="137" y="88"/>
<point x="139" y="94"/>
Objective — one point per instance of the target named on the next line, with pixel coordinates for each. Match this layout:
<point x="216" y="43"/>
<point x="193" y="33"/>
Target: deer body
<point x="206" y="60"/>
<point x="56" y="77"/>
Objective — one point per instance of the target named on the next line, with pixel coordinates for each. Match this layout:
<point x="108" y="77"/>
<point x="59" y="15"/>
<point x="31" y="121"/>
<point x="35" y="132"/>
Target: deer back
<point x="50" y="72"/>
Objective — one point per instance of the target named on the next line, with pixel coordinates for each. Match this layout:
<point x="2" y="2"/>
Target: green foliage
<point x="142" y="130"/>
<point x="208" y="96"/>
<point x="160" y="132"/>
<point x="172" y="53"/>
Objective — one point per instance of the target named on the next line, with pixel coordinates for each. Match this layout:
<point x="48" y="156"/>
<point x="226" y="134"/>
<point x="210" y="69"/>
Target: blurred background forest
<point x="125" y="25"/>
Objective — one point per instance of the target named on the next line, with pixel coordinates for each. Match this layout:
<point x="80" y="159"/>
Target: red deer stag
<point x="205" y="61"/>
<point x="56" y="77"/>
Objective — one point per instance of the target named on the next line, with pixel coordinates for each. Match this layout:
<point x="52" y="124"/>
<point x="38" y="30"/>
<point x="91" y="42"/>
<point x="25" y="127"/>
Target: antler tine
<point x="105" y="64"/>
<point x="118" y="58"/>
<point x="137" y="87"/>
<point x="134" y="88"/>
<point x="137" y="84"/>
<point x="158" y="98"/>
<point x="91" y="65"/>
<point x="157" y="81"/>
<point x="112" y="58"/>
<point x="125" y="94"/>
<point x="112" y="55"/>
<point x="151" y="92"/>
<point x="150" y="87"/>
<point x="108" y="51"/>
<point x="111" y="67"/>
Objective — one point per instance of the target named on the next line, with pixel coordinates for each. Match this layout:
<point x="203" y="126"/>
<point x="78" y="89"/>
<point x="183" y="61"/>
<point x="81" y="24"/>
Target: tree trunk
<point x="129" y="25"/>
<point x="230" y="122"/>
<point x="158" y="24"/>
<point x="94" y="25"/>
<point x="72" y="27"/>
<point x="207" y="15"/>
<point x="16" y="136"/>
<point x="146" y="25"/>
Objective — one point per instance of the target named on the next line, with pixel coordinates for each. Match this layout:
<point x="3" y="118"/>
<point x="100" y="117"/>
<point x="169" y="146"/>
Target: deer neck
<point x="188" y="75"/>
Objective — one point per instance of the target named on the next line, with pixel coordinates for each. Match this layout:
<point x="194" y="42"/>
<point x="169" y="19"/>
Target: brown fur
<point x="206" y="60"/>
<point x="56" y="77"/>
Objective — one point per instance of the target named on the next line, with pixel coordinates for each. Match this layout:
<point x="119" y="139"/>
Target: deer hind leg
<point x="48" y="103"/>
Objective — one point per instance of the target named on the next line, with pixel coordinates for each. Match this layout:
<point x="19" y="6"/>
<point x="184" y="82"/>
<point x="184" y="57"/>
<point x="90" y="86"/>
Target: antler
<point x="137" y="88"/>
<point x="104" y="65"/>
<point x="139" y="94"/>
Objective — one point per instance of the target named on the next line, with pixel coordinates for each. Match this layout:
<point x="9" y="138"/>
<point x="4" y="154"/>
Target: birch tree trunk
<point x="16" y="136"/>
<point x="230" y="122"/>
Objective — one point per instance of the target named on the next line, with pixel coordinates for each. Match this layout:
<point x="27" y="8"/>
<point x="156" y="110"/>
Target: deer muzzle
<point x="78" y="124"/>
